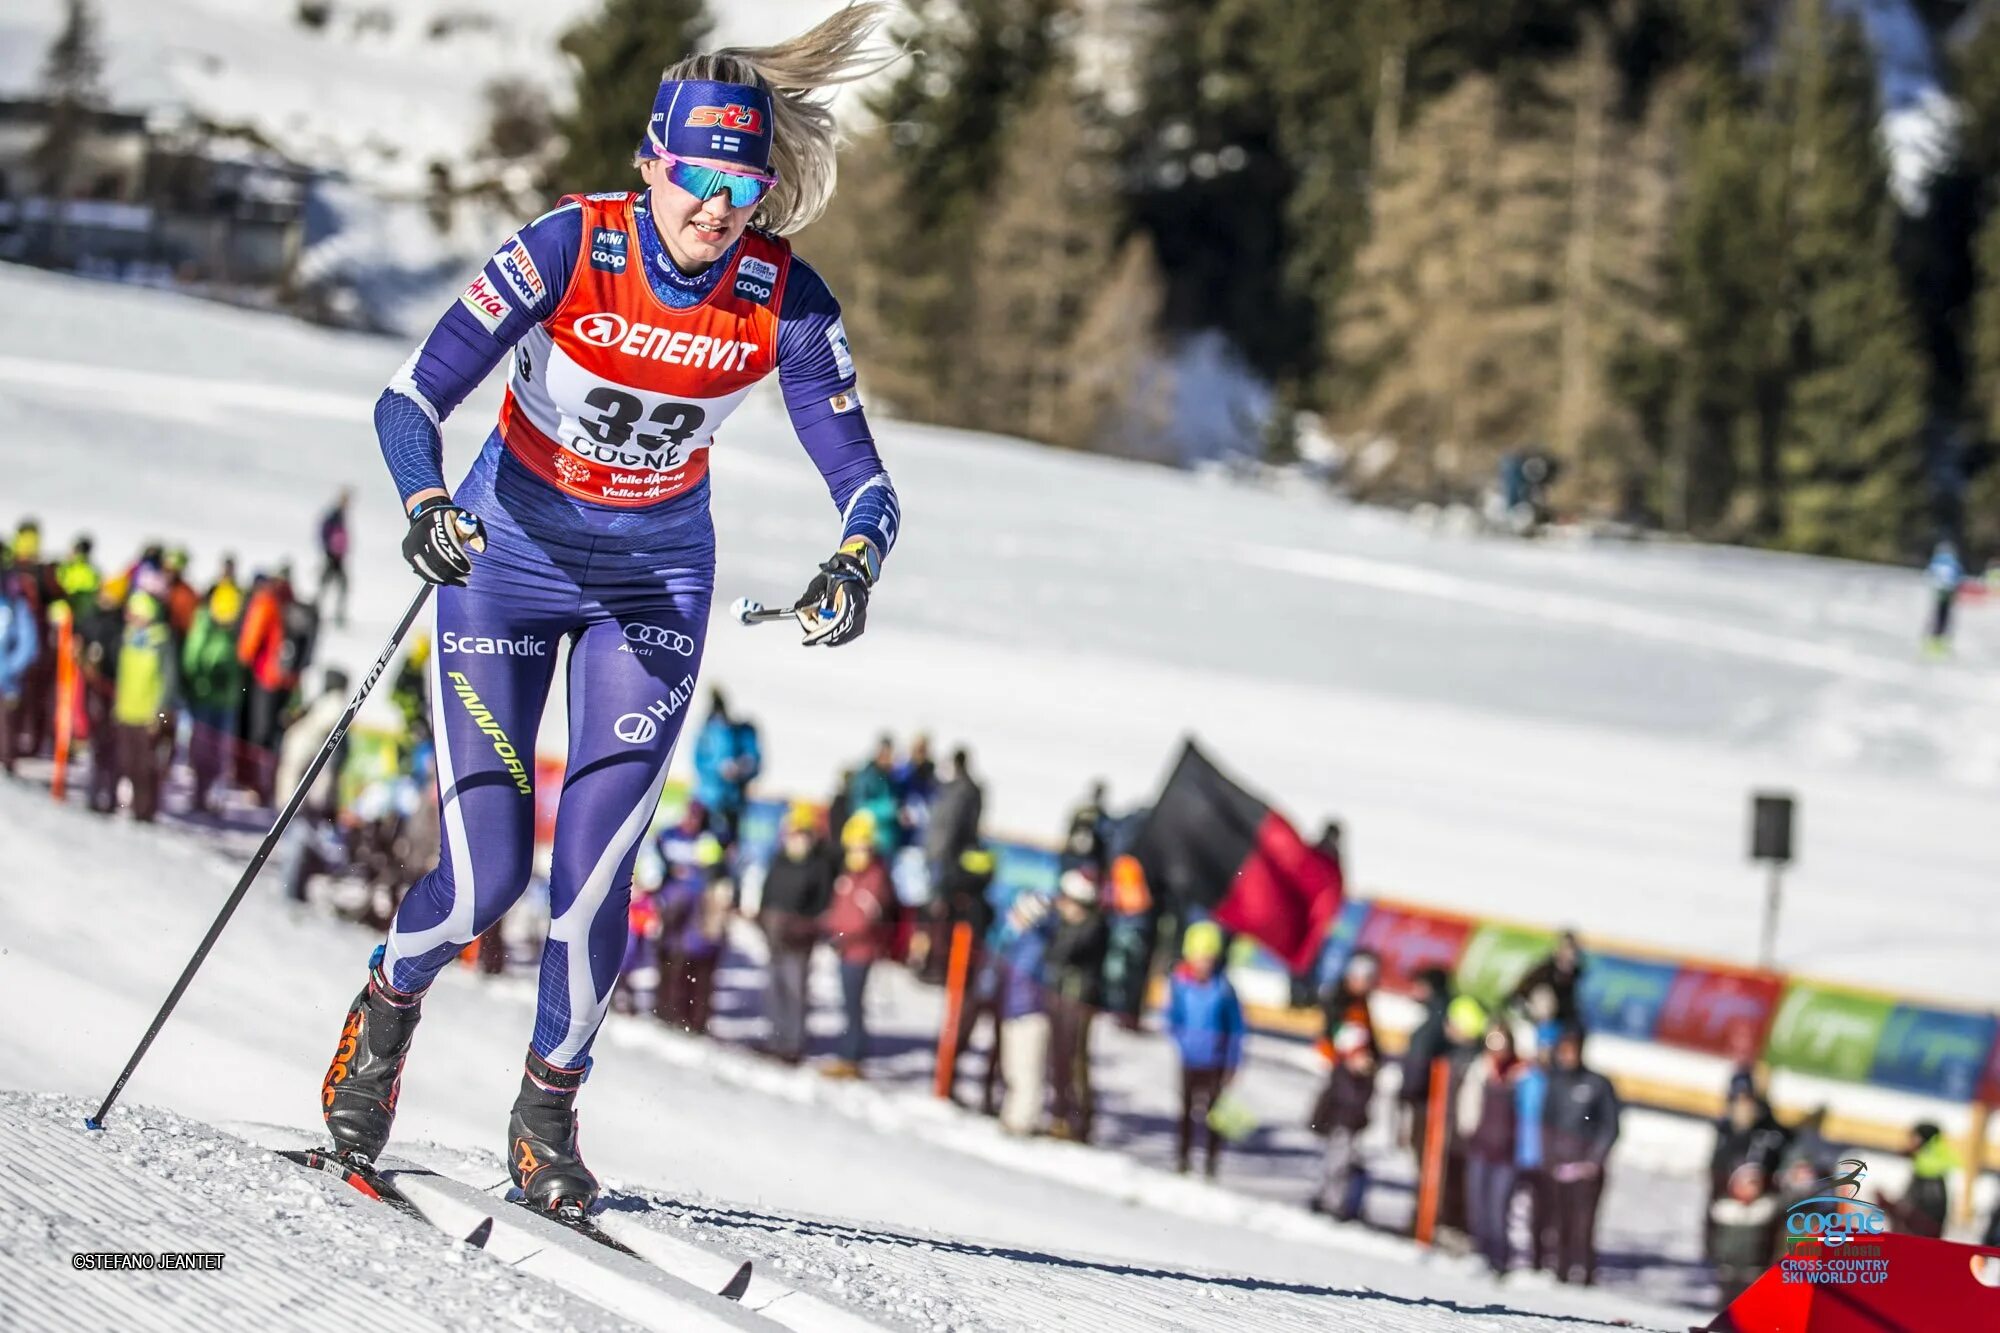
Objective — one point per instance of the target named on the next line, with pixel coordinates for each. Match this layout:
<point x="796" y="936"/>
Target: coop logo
<point x="642" y="639"/>
<point x="743" y="119"/>
<point x="640" y="728"/>
<point x="482" y="717"/>
<point x="1827" y="1234"/>
<point x="748" y="290"/>
<point x="607" y="250"/>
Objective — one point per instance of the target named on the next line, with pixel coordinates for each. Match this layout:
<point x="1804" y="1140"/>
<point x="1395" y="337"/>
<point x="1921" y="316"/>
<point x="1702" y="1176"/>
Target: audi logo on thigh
<point x="658" y="636"/>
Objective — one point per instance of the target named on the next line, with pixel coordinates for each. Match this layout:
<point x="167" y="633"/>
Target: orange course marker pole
<point x="956" y="977"/>
<point x="1432" y="1183"/>
<point x="65" y="704"/>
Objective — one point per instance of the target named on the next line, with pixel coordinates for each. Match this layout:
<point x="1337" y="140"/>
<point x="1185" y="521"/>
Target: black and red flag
<point x="1212" y="845"/>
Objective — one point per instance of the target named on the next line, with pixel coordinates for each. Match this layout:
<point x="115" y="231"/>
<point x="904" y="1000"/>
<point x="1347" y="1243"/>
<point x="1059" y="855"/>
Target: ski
<point x="574" y="1219"/>
<point x="578" y="1221"/>
<point x="367" y="1182"/>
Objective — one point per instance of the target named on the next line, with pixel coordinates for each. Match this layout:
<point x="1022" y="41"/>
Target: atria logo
<point x="602" y="329"/>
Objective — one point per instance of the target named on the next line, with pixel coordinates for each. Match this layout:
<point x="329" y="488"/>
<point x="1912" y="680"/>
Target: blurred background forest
<point x="1733" y="265"/>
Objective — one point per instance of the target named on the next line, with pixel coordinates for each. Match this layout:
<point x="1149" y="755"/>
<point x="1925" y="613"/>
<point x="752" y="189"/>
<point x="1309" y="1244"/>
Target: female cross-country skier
<point x="636" y="322"/>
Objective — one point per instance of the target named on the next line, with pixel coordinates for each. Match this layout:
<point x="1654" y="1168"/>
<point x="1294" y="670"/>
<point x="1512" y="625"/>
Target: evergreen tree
<point x="619" y="55"/>
<point x="1210" y="186"/>
<point x="1046" y="239"/>
<point x="1986" y="322"/>
<point x="1849" y="455"/>
<point x="947" y="115"/>
<point x="70" y="73"/>
<point x="1727" y="369"/>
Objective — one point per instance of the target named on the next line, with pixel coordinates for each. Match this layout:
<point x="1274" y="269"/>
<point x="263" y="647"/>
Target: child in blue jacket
<point x="1206" y="1022"/>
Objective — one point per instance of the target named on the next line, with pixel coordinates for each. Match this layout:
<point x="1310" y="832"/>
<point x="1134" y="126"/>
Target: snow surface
<point x="894" y="1206"/>
<point x="1556" y="733"/>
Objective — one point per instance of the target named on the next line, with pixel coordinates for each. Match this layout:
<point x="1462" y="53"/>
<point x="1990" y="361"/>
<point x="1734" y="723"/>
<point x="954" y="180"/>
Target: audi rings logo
<point x="636" y="728"/>
<point x="657" y="636"/>
<point x="600" y="330"/>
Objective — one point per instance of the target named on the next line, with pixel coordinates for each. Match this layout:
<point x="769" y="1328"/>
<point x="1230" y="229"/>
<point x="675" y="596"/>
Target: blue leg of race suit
<point x="635" y="617"/>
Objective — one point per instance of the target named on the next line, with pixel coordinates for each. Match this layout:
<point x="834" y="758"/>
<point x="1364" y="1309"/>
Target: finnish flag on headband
<point x="699" y="118"/>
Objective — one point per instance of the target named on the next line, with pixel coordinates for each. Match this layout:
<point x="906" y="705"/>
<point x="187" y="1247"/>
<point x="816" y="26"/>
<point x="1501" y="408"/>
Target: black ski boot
<point x="542" y="1152"/>
<point x="359" y="1095"/>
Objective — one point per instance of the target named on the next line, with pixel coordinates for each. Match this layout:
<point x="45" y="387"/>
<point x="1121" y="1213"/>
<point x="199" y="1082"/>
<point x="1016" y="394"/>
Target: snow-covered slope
<point x="1552" y="733"/>
<point x="890" y="1214"/>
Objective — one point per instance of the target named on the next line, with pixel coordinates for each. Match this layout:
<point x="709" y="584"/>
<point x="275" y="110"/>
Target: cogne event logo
<point x="600" y="330"/>
<point x="1826" y="1234"/>
<point x="744" y="119"/>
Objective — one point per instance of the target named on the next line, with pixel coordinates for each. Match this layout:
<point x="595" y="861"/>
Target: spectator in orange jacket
<point x="262" y="649"/>
<point x="182" y="600"/>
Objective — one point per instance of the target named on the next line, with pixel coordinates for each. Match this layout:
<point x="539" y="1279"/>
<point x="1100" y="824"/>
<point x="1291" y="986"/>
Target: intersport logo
<point x="601" y="330"/>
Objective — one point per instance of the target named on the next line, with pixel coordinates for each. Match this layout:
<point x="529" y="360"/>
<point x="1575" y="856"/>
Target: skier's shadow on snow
<point x="749" y="1220"/>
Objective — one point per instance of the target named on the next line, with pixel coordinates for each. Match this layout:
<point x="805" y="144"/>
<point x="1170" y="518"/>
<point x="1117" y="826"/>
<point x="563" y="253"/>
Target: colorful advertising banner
<point x="1342" y="939"/>
<point x="1624" y="996"/>
<point x="1935" y="1051"/>
<point x="1723" y="1011"/>
<point x="1827" y="1031"/>
<point x="1408" y="941"/>
<point x="1496" y="958"/>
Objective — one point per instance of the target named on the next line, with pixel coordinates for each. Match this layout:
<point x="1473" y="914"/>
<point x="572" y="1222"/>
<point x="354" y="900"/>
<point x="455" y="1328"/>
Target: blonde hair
<point x="804" y="139"/>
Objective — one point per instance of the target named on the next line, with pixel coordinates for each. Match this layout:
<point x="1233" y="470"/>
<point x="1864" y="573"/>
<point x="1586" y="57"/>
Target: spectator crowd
<point x="142" y="672"/>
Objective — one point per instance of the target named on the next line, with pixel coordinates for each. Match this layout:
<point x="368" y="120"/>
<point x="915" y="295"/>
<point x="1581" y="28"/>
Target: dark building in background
<point x="171" y="204"/>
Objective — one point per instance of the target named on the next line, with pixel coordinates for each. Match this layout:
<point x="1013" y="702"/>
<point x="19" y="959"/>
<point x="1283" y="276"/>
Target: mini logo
<point x="746" y="119"/>
<point x="607" y="250"/>
<point x="602" y="329"/>
<point x="658" y="636"/>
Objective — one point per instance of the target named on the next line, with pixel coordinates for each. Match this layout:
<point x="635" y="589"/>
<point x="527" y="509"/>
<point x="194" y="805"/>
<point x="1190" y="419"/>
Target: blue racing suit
<point x="627" y="585"/>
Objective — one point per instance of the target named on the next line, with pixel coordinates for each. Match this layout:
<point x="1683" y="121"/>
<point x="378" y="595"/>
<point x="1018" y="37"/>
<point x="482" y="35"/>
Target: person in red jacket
<point x="857" y="925"/>
<point x="262" y="649"/>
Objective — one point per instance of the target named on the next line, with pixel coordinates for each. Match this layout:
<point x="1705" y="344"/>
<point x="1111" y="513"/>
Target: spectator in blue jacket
<point x="1531" y="1091"/>
<point x="1205" y="1020"/>
<point x="19" y="646"/>
<point x="1024" y="1019"/>
<point x="727" y="759"/>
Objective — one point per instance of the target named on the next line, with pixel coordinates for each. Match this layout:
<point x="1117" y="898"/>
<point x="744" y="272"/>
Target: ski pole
<point x="750" y="611"/>
<point x="257" y="861"/>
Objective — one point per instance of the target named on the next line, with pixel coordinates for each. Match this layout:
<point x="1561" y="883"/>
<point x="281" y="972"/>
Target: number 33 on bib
<point x="616" y="397"/>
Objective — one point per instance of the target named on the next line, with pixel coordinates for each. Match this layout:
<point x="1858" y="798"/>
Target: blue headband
<point x="695" y="118"/>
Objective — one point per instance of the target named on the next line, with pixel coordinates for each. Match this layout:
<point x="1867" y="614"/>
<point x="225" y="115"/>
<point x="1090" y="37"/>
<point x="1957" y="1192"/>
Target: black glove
<point x="834" y="607"/>
<point x="440" y="542"/>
